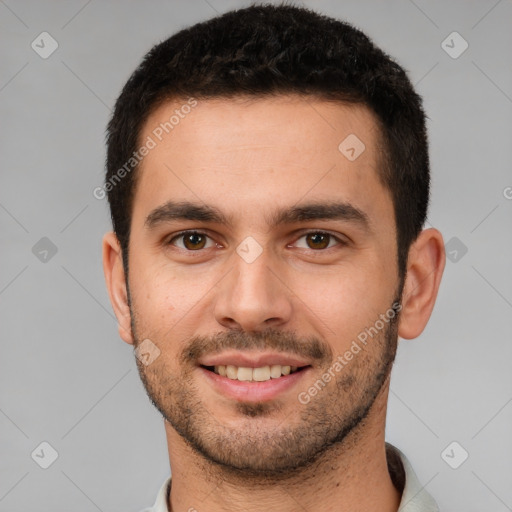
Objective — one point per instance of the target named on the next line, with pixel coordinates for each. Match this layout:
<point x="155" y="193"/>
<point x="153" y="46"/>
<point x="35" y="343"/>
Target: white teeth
<point x="244" y="373"/>
<point x="261" y="374"/>
<point x="275" y="371"/>
<point x="231" y="371"/>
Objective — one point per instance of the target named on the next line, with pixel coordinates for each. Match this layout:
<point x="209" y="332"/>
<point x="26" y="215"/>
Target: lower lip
<point x="250" y="391"/>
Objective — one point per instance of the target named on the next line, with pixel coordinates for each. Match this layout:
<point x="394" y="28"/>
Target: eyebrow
<point x="186" y="210"/>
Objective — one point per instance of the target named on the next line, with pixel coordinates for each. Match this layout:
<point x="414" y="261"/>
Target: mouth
<point x="254" y="377"/>
<point x="259" y="374"/>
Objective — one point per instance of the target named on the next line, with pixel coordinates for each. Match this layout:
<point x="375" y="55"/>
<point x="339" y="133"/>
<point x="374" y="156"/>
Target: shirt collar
<point x="414" y="496"/>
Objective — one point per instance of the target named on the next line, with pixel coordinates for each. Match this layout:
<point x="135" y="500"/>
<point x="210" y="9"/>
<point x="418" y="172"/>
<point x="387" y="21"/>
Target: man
<point x="268" y="179"/>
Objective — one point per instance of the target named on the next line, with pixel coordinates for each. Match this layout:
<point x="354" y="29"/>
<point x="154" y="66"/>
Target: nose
<point x="253" y="297"/>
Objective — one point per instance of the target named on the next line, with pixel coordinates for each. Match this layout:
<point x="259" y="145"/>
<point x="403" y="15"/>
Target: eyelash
<point x="181" y="234"/>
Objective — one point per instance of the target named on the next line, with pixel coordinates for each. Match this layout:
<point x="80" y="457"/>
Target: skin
<point x="249" y="158"/>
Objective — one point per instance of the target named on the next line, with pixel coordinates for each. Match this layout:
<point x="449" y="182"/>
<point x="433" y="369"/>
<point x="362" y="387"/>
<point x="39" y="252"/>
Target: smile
<point x="258" y="384"/>
<point x="247" y="374"/>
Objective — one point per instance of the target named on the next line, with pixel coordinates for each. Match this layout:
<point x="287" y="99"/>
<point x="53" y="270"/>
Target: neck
<point x="351" y="476"/>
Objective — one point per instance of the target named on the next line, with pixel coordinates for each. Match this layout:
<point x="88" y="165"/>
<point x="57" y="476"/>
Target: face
<point x="260" y="248"/>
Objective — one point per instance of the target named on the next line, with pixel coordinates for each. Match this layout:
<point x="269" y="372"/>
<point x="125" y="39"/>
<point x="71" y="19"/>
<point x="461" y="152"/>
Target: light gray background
<point x="67" y="378"/>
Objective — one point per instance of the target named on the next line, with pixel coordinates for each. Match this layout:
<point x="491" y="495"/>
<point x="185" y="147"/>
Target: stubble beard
<point x="268" y="444"/>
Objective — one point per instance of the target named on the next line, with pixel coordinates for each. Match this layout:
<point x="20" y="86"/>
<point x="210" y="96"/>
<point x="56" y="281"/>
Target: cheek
<point x="163" y="297"/>
<point x="153" y="294"/>
<point x="345" y="302"/>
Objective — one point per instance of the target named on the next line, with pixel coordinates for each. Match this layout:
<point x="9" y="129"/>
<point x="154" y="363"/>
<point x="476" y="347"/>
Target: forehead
<point x="258" y="151"/>
<point x="253" y="121"/>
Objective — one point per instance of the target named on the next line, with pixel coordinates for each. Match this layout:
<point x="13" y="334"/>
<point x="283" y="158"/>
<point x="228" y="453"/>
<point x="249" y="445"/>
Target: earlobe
<point x="116" y="284"/>
<point x="425" y="268"/>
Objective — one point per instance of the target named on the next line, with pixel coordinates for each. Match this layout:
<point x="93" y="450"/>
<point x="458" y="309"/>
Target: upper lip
<point x="252" y="359"/>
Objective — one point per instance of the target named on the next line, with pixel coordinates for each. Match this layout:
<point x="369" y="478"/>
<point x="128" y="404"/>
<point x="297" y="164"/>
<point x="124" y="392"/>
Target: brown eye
<point x="191" y="241"/>
<point x="318" y="240"/>
<point x="194" y="241"/>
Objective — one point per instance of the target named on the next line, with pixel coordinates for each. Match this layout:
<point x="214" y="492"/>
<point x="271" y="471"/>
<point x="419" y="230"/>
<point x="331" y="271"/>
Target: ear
<point x="425" y="267"/>
<point x="116" y="284"/>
